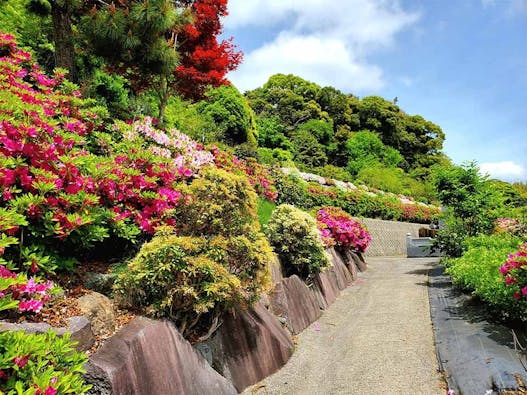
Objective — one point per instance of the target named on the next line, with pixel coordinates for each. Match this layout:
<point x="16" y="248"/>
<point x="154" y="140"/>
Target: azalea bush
<point x="259" y="176"/>
<point x="68" y="181"/>
<point x="514" y="271"/>
<point x="510" y="225"/>
<point x="40" y="364"/>
<point x="341" y="230"/>
<point x="296" y="239"/>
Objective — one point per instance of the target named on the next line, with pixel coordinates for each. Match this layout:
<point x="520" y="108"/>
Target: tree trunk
<point x="63" y="37"/>
<point x="164" y="95"/>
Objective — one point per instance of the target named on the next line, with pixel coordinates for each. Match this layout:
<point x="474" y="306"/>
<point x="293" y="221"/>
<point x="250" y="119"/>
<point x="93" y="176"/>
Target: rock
<point x="325" y="288"/>
<point x="359" y="260"/>
<point x="150" y="357"/>
<point x="81" y="332"/>
<point x="78" y="327"/>
<point x="293" y="302"/>
<point x="328" y="284"/>
<point x="100" y="282"/>
<point x="249" y="346"/>
<point x="277" y="273"/>
<point x="99" y="310"/>
<point x="340" y="272"/>
<point x="351" y="265"/>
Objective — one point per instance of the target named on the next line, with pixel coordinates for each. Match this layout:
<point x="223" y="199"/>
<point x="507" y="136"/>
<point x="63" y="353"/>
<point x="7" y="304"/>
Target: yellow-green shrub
<point x="218" y="202"/>
<point x="173" y="277"/>
<point x="296" y="239"/>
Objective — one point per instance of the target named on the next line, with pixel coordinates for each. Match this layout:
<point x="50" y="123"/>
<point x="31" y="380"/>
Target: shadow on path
<point x="476" y="354"/>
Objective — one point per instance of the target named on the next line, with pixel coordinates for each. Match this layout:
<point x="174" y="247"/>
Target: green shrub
<point x="217" y="203"/>
<point x="296" y="239"/>
<point x="477" y="271"/>
<point x="291" y="190"/>
<point x="30" y="363"/>
<point x="192" y="280"/>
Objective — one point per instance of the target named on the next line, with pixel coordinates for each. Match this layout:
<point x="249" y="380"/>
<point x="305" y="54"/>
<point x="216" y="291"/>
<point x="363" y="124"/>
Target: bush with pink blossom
<point x="339" y="229"/>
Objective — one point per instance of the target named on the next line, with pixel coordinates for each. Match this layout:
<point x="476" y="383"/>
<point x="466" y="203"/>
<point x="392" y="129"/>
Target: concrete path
<point x="376" y="339"/>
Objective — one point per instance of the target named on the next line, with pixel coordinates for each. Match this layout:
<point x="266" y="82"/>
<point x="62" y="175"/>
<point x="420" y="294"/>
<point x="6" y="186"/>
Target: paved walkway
<point x="376" y="339"/>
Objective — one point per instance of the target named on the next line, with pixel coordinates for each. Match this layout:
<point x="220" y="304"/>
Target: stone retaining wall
<point x="388" y="238"/>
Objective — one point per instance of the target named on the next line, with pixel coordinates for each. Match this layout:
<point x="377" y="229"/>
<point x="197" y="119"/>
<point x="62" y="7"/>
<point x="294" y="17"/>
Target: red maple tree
<point x="204" y="61"/>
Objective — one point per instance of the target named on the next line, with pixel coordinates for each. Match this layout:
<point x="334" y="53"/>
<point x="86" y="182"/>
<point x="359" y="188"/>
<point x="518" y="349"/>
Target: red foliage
<point x="205" y="61"/>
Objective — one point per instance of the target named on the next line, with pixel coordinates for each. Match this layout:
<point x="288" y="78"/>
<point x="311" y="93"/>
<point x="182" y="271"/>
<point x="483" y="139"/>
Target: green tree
<point x="271" y="133"/>
<point x="231" y="114"/>
<point x="471" y="205"/>
<point x="321" y="130"/>
<point x="290" y="98"/>
<point x="307" y="150"/>
<point x="366" y="149"/>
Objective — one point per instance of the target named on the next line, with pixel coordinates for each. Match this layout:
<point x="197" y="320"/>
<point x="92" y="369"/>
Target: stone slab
<point x="149" y="357"/>
<point x="291" y="299"/>
<point x="249" y="346"/>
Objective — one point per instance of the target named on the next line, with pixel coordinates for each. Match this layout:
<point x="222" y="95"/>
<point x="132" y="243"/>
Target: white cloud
<point x="327" y="42"/>
<point x="324" y="60"/>
<point x="506" y="170"/>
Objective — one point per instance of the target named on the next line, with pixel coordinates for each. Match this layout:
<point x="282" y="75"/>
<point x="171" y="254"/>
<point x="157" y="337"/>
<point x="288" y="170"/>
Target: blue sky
<point x="461" y="64"/>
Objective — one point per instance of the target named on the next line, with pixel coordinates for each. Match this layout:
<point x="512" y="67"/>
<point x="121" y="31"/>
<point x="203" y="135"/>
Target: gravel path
<point x="376" y="339"/>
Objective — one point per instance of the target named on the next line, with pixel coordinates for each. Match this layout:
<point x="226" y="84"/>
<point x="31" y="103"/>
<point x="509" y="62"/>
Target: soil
<point x="65" y="306"/>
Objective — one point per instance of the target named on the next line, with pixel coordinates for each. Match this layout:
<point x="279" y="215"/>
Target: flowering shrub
<point x="509" y="225"/>
<point x="43" y="364"/>
<point x="67" y="183"/>
<point x="514" y="271"/>
<point x="296" y="239"/>
<point x="368" y="204"/>
<point x="259" y="176"/>
<point x="346" y="233"/>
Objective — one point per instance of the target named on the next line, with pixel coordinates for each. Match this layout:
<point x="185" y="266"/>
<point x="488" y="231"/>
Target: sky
<point x="461" y="64"/>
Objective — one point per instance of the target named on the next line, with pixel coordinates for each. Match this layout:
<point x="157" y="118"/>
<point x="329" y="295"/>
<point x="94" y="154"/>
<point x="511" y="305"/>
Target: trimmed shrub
<point x="192" y="280"/>
<point x="173" y="277"/>
<point x="296" y="239"/>
<point x="40" y="364"/>
<point x="217" y="203"/>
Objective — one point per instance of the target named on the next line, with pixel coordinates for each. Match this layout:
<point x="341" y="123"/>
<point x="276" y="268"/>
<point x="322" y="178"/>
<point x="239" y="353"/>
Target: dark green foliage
<point x="231" y="115"/>
<point x="110" y="91"/>
<point x="134" y="35"/>
<point x="471" y="202"/>
<point x="307" y="150"/>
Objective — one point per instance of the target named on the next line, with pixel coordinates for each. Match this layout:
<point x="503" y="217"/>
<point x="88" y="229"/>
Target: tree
<point x="365" y="149"/>
<point x="288" y="97"/>
<point x="234" y="119"/>
<point x="471" y="202"/>
<point x="204" y="62"/>
<point x="170" y="45"/>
